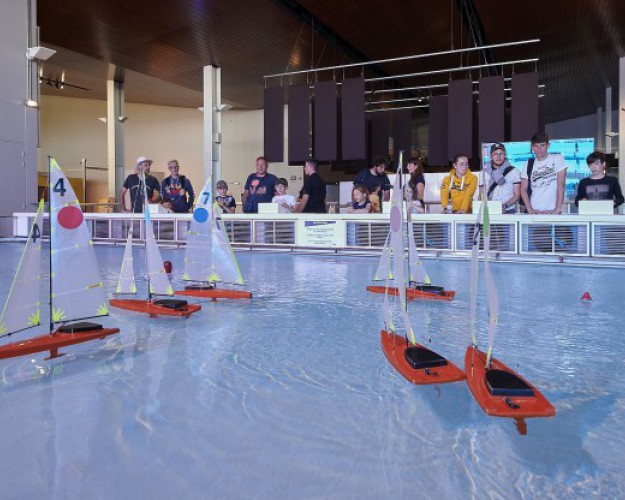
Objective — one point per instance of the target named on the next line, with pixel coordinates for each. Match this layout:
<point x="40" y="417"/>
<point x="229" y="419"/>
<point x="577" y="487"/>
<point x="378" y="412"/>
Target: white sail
<point x="198" y="257"/>
<point x="416" y="270"/>
<point x="491" y="289"/>
<point x="397" y="246"/>
<point x="384" y="271"/>
<point x="22" y="307"/>
<point x="209" y="256"/>
<point x="225" y="267"/>
<point x="76" y="287"/>
<point x="126" y="282"/>
<point x="157" y="276"/>
<point x="475" y="252"/>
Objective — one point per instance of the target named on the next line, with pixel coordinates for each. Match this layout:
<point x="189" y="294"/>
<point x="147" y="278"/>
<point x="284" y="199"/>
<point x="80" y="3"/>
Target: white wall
<point x="243" y="143"/>
<point x="71" y="131"/>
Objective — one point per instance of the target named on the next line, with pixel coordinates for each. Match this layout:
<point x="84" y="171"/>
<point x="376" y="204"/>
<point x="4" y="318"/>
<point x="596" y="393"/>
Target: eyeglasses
<point x="173" y="166"/>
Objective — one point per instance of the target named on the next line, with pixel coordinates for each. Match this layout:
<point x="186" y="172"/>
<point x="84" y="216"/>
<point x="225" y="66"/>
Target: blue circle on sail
<point x="200" y="214"/>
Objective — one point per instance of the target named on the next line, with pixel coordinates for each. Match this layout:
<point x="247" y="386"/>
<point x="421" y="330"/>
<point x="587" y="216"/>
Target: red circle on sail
<point x="70" y="217"/>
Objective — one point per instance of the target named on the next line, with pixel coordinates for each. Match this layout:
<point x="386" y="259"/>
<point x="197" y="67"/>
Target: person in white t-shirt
<point x="282" y="198"/>
<point x="543" y="190"/>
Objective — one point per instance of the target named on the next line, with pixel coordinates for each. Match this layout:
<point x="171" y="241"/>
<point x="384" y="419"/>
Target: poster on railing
<point x="321" y="233"/>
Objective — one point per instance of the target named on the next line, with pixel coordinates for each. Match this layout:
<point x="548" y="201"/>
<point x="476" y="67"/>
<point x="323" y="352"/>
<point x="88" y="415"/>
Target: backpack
<point x="492" y="187"/>
<point x="530" y="167"/>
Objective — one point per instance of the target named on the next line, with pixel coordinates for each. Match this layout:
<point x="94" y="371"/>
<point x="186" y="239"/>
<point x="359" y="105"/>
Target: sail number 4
<point x="59" y="187"/>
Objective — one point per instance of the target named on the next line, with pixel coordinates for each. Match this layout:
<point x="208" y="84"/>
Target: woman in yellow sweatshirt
<point x="458" y="187"/>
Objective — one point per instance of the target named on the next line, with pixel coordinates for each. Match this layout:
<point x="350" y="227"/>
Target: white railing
<point x="550" y="238"/>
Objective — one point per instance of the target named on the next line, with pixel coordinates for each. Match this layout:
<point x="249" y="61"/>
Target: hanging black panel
<point x="274" y="124"/>
<point x="325" y="118"/>
<point x="379" y="134"/>
<point x="524" y="120"/>
<point x="437" y="142"/>
<point x="460" y="118"/>
<point x="299" y="123"/>
<point x="491" y="109"/>
<point x="402" y="133"/>
<point x="353" y="119"/>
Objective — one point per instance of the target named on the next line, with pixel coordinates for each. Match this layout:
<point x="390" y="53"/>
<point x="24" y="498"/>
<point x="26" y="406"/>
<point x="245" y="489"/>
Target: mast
<point x="50" y="248"/>
<point x="146" y="215"/>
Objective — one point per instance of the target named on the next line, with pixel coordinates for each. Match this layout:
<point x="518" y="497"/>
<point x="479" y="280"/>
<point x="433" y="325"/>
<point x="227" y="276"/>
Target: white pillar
<point x="621" y="120"/>
<point x="608" y="119"/>
<point x="115" y="119"/>
<point x="599" y="134"/>
<point x="212" y="123"/>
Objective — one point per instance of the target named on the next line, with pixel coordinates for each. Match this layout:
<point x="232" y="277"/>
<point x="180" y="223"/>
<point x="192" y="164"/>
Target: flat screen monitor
<point x="574" y="151"/>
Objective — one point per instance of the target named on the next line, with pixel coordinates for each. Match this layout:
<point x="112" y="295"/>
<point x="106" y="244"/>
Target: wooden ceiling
<point x="163" y="45"/>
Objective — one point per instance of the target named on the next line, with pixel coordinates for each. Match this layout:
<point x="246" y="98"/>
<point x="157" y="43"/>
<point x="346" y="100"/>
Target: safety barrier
<point x="513" y="237"/>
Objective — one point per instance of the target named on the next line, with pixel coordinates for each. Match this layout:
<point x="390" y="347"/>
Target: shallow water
<point x="289" y="395"/>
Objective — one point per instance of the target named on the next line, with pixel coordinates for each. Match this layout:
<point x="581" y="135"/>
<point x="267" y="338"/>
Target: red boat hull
<point x="394" y="347"/>
<point x="215" y="293"/>
<point x="411" y="293"/>
<point x="52" y="342"/>
<point x="502" y="406"/>
<point x="151" y="309"/>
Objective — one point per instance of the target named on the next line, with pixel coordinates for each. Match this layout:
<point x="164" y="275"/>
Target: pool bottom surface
<point x="289" y="394"/>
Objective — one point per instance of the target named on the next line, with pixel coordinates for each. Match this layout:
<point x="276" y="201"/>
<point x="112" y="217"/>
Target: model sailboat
<point x="158" y="281"/>
<point x="412" y="360"/>
<point x="419" y="283"/>
<point x="209" y="259"/>
<point x="499" y="390"/>
<point x="76" y="289"/>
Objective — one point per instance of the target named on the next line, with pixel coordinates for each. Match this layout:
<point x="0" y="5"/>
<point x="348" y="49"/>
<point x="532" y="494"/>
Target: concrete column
<point x="608" y="119"/>
<point x="212" y="123"/>
<point x="599" y="134"/>
<point x="19" y="130"/>
<point x="115" y="119"/>
<point x="621" y="121"/>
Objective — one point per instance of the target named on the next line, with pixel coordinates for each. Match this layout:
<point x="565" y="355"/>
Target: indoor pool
<point x="288" y="395"/>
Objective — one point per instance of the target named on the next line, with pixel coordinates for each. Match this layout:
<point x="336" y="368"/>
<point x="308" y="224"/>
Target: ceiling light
<point x="40" y="53"/>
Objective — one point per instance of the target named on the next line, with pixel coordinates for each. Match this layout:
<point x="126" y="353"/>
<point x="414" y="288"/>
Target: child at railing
<point x="225" y="201"/>
<point x="285" y="201"/>
<point x="360" y="203"/>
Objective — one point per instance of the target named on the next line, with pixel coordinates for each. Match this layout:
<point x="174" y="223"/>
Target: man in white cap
<point x="135" y="183"/>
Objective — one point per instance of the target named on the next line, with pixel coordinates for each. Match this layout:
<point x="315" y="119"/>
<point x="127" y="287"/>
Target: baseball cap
<point x="141" y="159"/>
<point x="497" y="145"/>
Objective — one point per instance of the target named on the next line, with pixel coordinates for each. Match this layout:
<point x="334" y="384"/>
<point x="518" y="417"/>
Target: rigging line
<point x="288" y="64"/>
<point x="451" y="22"/>
<point x="322" y="51"/>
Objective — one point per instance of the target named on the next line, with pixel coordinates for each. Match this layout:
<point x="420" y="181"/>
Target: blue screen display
<point x="574" y="151"/>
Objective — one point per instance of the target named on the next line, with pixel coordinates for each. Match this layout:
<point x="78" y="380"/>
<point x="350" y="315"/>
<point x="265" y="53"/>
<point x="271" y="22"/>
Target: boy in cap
<point x="136" y="183"/>
<point x="502" y="181"/>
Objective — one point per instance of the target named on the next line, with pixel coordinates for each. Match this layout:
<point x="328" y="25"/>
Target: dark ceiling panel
<point x="171" y="41"/>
